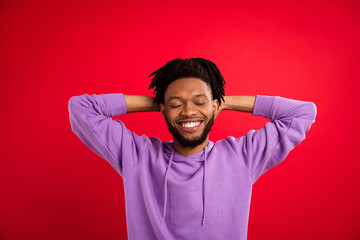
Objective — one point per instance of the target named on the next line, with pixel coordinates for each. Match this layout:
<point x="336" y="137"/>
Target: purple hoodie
<point x="203" y="196"/>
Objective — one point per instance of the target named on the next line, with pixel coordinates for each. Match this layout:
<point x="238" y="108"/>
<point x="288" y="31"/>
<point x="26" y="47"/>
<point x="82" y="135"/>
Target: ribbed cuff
<point x="116" y="103"/>
<point x="263" y="105"/>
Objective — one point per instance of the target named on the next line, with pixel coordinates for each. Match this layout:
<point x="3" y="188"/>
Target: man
<point x="191" y="187"/>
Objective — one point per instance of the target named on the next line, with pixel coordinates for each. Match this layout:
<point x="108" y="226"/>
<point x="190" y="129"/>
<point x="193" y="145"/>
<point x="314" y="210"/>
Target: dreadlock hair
<point x="200" y="68"/>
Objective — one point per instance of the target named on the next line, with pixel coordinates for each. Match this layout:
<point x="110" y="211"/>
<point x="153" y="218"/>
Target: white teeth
<point x="190" y="124"/>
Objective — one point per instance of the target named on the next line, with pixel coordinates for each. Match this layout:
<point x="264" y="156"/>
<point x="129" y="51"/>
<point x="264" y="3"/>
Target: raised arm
<point x="262" y="149"/>
<point x="91" y="120"/>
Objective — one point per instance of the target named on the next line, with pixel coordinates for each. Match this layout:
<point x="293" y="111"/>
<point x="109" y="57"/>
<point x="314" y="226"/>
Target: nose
<point x="188" y="110"/>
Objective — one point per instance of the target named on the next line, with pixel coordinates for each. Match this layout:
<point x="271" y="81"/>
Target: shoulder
<point x="154" y="144"/>
<point x="155" y="141"/>
<point x="229" y="142"/>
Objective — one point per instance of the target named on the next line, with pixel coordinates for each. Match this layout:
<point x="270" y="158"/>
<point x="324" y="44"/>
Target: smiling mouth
<point x="190" y="126"/>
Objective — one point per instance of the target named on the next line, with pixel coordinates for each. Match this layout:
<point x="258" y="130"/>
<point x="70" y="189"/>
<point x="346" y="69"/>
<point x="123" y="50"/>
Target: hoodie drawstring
<point x="166" y="176"/>
<point x="204" y="193"/>
<point x="204" y="183"/>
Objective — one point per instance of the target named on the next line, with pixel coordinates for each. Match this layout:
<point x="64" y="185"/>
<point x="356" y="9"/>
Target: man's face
<point x="189" y="110"/>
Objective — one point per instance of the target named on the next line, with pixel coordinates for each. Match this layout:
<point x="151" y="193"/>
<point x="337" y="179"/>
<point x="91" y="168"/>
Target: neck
<point x="187" y="151"/>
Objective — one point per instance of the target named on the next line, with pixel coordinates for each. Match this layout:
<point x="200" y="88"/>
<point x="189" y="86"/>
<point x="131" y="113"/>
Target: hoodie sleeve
<point x="290" y="120"/>
<point x="91" y="120"/>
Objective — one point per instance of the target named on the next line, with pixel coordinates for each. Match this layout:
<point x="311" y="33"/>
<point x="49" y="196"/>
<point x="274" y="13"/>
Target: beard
<point x="191" y="143"/>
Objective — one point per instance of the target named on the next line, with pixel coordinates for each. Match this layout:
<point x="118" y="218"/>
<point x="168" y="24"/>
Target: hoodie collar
<point x="177" y="157"/>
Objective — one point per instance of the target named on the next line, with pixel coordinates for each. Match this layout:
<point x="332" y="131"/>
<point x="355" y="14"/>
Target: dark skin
<point x="189" y="98"/>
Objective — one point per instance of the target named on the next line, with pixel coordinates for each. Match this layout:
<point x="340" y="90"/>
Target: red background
<point x="53" y="187"/>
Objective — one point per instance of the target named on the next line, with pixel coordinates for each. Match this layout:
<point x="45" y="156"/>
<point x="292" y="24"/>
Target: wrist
<point x="242" y="103"/>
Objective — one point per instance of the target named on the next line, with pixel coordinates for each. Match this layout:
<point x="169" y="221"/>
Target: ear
<point x="162" y="110"/>
<point x="216" y="108"/>
<point x="215" y="105"/>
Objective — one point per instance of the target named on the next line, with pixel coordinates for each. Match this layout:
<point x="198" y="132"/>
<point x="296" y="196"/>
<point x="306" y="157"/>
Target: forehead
<point x="187" y="88"/>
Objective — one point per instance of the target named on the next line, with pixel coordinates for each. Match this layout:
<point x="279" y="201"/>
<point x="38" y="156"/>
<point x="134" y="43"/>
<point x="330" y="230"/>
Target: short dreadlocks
<point x="200" y="68"/>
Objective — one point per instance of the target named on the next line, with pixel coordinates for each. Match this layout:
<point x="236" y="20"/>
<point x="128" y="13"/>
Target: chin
<point x="192" y="141"/>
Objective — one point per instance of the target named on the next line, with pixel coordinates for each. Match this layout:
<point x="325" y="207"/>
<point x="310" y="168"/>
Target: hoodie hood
<point x="174" y="156"/>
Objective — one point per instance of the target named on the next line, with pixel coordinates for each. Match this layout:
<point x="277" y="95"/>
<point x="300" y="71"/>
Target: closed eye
<point x="175" y="106"/>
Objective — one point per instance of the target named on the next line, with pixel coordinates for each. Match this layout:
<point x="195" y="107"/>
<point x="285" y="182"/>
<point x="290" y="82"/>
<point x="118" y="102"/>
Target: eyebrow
<point x="196" y="96"/>
<point x="173" y="97"/>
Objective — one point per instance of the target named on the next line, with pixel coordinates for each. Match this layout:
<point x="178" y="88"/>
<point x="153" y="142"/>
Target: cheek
<point x="208" y="112"/>
<point x="170" y="115"/>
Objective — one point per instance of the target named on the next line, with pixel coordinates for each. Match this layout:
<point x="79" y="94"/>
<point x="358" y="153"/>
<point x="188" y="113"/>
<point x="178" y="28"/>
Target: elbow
<point x="76" y="102"/>
<point x="307" y="111"/>
<point x="73" y="100"/>
<point x="312" y="110"/>
<point x="310" y="113"/>
<point x="72" y="104"/>
<point x="72" y="112"/>
<point x="75" y="110"/>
